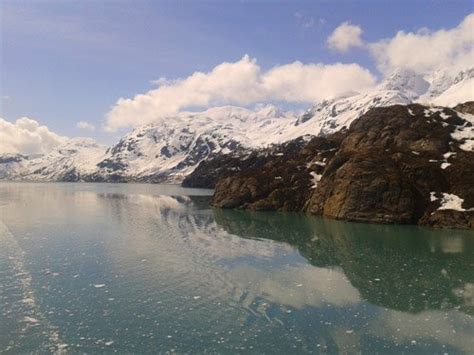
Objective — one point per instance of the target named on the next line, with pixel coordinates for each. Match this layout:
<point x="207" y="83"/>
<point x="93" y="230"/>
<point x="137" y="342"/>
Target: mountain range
<point x="171" y="148"/>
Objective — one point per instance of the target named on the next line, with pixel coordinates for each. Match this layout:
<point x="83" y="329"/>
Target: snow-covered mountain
<point x="453" y="89"/>
<point x="171" y="148"/>
<point x="329" y="116"/>
<point x="10" y="164"/>
<point x="69" y="161"/>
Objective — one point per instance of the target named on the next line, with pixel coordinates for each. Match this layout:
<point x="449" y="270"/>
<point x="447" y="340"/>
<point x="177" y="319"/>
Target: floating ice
<point x="31" y="320"/>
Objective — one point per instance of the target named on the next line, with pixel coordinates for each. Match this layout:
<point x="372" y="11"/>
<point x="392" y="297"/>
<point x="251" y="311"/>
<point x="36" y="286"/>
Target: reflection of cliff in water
<point x="404" y="268"/>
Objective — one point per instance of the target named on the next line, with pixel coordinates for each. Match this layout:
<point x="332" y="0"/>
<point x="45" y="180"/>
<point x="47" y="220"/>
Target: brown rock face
<point x="282" y="182"/>
<point x="365" y="188"/>
<point x="390" y="163"/>
<point x="394" y="165"/>
<point x="467" y="107"/>
<point x="449" y="218"/>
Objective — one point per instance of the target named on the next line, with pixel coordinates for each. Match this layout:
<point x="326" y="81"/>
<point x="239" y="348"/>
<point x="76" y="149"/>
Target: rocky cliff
<point x="398" y="164"/>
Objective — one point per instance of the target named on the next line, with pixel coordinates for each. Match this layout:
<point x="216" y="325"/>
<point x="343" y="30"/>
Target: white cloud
<point x="27" y="136"/>
<point x="308" y="22"/>
<point x="243" y="83"/>
<point x="344" y="37"/>
<point x="309" y="83"/>
<point x="85" y="126"/>
<point x="425" y="51"/>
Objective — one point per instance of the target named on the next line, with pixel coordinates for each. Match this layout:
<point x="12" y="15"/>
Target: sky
<point x="75" y="67"/>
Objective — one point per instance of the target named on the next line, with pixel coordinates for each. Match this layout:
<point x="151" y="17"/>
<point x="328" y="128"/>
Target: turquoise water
<point x="150" y="268"/>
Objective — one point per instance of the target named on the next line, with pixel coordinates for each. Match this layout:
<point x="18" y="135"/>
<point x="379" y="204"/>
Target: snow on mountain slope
<point x="462" y="87"/>
<point x="448" y="90"/>
<point x="172" y="147"/>
<point x="455" y="93"/>
<point x="407" y="82"/>
<point x="440" y="81"/>
<point x="67" y="162"/>
<point x="401" y="87"/>
<point x="10" y="165"/>
<point x="329" y="116"/>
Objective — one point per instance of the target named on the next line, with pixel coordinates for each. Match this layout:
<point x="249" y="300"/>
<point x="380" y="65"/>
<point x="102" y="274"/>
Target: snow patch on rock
<point x="465" y="133"/>
<point x="316" y="178"/>
<point x="449" y="202"/>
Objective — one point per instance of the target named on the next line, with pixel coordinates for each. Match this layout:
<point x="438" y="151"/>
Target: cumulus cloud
<point x="425" y="50"/>
<point x="309" y="83"/>
<point x="85" y="126"/>
<point x="344" y="37"/>
<point x="242" y="83"/>
<point x="27" y="136"/>
<point x="245" y="83"/>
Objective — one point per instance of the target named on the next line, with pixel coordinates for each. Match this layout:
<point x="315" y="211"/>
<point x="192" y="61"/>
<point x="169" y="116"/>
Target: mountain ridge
<point x="170" y="149"/>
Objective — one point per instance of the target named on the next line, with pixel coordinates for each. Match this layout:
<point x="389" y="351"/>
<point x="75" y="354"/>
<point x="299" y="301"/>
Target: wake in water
<point x="21" y="317"/>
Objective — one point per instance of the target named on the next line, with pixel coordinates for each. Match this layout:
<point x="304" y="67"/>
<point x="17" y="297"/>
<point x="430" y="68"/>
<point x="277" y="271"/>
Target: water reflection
<point x="174" y="274"/>
<point x="403" y="268"/>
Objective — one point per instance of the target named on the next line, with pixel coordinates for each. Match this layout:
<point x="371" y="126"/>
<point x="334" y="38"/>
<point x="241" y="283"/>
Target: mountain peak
<point x="406" y="81"/>
<point x="270" y="111"/>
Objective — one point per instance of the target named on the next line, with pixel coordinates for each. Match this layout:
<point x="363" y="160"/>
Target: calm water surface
<point x="149" y="268"/>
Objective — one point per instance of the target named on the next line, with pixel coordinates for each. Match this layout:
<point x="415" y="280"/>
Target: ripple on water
<point x="23" y="327"/>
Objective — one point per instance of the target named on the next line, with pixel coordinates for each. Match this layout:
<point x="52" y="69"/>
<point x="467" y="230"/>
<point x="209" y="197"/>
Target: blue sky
<point x="69" y="61"/>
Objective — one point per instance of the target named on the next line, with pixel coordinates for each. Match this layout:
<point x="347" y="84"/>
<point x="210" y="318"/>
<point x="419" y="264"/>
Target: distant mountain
<point x="171" y="148"/>
<point x="69" y="161"/>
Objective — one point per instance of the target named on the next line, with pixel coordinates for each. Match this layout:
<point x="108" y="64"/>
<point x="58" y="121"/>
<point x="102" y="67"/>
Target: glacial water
<point x="147" y="268"/>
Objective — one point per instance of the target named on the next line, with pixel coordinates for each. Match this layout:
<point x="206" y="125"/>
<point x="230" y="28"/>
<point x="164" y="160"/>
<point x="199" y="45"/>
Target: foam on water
<point x="20" y="312"/>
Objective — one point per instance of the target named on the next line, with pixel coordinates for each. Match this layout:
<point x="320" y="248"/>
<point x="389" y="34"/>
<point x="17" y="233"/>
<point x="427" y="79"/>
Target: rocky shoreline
<point x="404" y="164"/>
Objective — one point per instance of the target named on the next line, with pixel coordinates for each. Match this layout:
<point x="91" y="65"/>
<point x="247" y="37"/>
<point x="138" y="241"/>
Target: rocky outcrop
<point x="220" y="166"/>
<point x="283" y="181"/>
<point x="466" y="107"/>
<point x="398" y="164"/>
<point x="449" y="218"/>
<point x="391" y="166"/>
